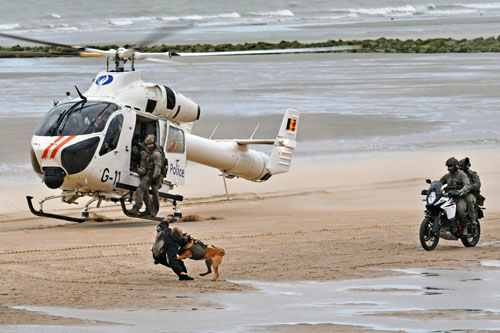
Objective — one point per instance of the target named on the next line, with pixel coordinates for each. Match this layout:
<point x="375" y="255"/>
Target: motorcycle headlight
<point x="431" y="197"/>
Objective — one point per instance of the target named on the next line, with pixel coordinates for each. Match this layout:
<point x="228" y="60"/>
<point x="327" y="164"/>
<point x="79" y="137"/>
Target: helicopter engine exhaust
<point x="176" y="107"/>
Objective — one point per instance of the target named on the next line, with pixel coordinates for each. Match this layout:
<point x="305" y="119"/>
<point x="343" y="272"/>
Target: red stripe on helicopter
<point x="46" y="151"/>
<point x="290" y="126"/>
<point x="59" y="146"/>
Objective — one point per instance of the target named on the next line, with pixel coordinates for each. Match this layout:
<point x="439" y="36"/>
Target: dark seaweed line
<point x="381" y="45"/>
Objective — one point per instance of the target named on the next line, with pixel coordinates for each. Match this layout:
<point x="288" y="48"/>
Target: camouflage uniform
<point x="149" y="170"/>
<point x="475" y="182"/>
<point x="458" y="180"/>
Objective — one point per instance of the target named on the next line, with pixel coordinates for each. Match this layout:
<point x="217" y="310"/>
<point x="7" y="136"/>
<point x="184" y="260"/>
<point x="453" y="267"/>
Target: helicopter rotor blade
<point x="159" y="34"/>
<point x="77" y="50"/>
<point x="249" y="52"/>
<point x="123" y="54"/>
<point x="261" y="52"/>
<point x="38" y="41"/>
<point x="38" y="54"/>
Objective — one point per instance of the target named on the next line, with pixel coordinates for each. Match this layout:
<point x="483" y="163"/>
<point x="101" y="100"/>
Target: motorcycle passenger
<point x="475" y="182"/>
<point x="457" y="180"/>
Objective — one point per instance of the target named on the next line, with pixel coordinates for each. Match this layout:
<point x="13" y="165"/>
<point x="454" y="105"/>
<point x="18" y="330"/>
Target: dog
<point x="197" y="250"/>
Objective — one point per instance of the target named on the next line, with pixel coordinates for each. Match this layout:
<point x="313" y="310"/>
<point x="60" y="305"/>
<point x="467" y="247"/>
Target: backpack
<point x="159" y="255"/>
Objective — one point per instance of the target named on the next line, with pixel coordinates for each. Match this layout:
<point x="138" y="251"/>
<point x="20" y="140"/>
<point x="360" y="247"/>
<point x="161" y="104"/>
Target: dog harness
<point x="199" y="249"/>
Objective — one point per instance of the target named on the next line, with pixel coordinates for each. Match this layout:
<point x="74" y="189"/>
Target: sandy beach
<point x="328" y="219"/>
<point x="373" y="128"/>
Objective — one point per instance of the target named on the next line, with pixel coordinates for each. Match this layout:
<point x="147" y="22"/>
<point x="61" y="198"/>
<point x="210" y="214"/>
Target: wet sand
<point x="326" y="220"/>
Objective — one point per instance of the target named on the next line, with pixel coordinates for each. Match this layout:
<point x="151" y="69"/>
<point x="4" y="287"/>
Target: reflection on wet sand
<point x="418" y="300"/>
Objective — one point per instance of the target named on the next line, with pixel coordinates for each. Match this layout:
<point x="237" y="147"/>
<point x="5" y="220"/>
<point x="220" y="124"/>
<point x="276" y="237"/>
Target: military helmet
<point x="451" y="162"/>
<point x="150" y="139"/>
<point x="464" y="163"/>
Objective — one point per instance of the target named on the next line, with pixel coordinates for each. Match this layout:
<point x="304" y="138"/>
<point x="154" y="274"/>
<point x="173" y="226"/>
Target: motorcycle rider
<point x="457" y="180"/>
<point x="475" y="182"/>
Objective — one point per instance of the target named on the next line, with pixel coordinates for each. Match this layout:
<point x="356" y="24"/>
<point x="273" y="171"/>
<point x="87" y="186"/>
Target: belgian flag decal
<point x="290" y="126"/>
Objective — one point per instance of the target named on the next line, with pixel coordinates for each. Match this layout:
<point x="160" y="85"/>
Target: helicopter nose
<point x="53" y="177"/>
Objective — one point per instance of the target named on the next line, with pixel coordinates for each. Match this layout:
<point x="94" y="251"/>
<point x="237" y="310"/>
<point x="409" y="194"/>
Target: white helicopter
<point x="85" y="146"/>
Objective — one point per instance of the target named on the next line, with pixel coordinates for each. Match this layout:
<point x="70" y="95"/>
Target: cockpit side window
<point x="76" y="118"/>
<point x="112" y="135"/>
<point x="175" y="140"/>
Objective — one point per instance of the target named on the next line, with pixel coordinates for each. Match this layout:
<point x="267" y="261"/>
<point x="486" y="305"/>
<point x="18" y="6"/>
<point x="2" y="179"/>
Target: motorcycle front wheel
<point x="427" y="239"/>
<point x="474" y="233"/>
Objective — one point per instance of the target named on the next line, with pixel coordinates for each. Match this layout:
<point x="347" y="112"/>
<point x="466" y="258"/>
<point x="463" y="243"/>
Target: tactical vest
<point x="472" y="182"/>
<point x="150" y="164"/>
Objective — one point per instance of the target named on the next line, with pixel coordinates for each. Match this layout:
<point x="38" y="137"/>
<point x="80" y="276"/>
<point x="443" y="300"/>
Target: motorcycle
<point x="441" y="220"/>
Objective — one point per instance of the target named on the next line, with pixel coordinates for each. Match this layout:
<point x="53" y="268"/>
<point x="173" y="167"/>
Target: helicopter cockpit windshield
<point x="76" y="118"/>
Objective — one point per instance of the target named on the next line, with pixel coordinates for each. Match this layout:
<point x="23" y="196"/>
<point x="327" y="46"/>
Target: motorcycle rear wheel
<point x="474" y="234"/>
<point x="427" y="241"/>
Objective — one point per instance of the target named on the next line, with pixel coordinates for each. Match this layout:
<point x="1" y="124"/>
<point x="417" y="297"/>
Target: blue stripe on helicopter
<point x="104" y="80"/>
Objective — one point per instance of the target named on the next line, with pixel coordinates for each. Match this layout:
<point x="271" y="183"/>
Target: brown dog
<point x="213" y="255"/>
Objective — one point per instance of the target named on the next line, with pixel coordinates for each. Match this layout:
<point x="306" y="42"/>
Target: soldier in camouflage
<point x="457" y="180"/>
<point x="151" y="175"/>
<point x="475" y="182"/>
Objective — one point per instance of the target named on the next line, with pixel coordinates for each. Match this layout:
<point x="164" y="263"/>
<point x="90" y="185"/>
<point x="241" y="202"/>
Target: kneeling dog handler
<point x="166" y="247"/>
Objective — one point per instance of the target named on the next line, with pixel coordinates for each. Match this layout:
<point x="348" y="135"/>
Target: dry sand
<point x="326" y="219"/>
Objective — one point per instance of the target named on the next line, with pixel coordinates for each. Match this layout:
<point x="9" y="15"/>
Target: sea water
<point x="121" y="22"/>
<point x="350" y="103"/>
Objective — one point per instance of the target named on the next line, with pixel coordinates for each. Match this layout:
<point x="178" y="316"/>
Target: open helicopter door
<point x="144" y="125"/>
<point x="175" y="152"/>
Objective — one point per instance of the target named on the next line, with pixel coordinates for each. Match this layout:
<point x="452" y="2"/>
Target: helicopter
<point x="85" y="146"/>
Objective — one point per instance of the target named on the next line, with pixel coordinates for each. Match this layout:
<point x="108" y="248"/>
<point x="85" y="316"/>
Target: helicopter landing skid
<point x="40" y="212"/>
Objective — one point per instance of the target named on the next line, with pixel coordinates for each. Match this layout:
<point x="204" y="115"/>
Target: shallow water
<point x="420" y="300"/>
<point x="351" y="103"/>
<point x="128" y="22"/>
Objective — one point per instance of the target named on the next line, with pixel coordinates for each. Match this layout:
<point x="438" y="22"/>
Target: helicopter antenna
<point x="255" y="130"/>
<point x="213" y="132"/>
<point x="80" y="94"/>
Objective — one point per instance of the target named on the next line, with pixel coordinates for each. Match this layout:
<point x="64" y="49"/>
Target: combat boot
<point x="134" y="212"/>
<point x="465" y="232"/>
<point x="146" y="213"/>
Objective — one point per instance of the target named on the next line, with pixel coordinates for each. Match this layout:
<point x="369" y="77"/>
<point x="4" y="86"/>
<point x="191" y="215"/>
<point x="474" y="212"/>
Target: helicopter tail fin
<point x="284" y="144"/>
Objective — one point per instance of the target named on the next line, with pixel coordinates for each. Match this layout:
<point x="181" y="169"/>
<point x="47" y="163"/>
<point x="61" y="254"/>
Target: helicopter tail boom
<point x="235" y="159"/>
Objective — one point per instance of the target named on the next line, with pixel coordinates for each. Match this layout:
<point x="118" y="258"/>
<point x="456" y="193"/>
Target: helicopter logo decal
<point x="104" y="80"/>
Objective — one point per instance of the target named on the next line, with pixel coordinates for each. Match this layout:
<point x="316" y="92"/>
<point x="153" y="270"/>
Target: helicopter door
<point x="175" y="152"/>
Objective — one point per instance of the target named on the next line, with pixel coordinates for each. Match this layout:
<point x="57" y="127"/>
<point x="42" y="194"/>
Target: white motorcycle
<point x="441" y="220"/>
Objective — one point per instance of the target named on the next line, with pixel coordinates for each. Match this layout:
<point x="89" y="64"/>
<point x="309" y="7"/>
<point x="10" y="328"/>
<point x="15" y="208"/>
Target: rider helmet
<point x="452" y="164"/>
<point x="464" y="164"/>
